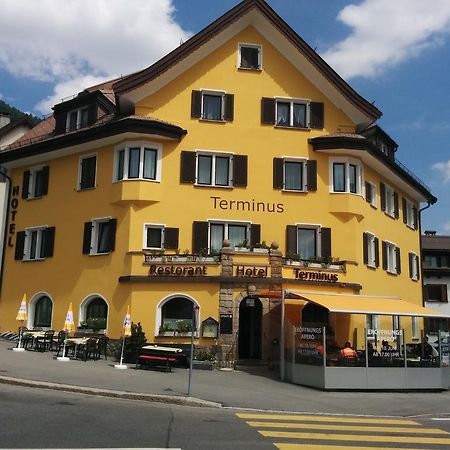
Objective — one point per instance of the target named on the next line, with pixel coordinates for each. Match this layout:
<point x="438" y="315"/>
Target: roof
<point x="43" y="128"/>
<point x="25" y="121"/>
<point x="441" y="243"/>
<point x="144" y="76"/>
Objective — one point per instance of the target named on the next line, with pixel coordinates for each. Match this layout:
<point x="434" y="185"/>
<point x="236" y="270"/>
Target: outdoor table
<point x="33" y="335"/>
<point x="77" y="341"/>
<point x="161" y="355"/>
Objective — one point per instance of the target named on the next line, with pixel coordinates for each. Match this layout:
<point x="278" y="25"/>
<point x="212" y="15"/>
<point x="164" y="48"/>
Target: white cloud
<point x="64" y="41"/>
<point x="446" y="227"/>
<point x="387" y="32"/>
<point x="444" y="168"/>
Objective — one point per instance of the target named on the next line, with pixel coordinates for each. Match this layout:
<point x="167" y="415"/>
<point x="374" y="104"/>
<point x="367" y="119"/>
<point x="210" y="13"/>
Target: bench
<point x="155" y="361"/>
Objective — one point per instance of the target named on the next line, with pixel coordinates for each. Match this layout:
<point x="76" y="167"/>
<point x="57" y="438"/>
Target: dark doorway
<point x="250" y="324"/>
<point x="315" y="316"/>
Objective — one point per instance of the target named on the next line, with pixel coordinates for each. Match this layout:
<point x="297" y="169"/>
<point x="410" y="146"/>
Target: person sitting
<point x="348" y="354"/>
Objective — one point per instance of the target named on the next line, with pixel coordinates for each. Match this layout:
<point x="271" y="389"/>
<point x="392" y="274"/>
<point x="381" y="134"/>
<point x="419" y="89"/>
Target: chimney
<point x="4" y="119"/>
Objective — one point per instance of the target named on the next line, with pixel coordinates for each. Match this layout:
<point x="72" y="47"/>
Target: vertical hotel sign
<point x="13" y="211"/>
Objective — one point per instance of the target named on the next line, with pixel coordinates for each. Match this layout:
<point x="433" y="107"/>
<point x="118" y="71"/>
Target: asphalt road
<point x="34" y="418"/>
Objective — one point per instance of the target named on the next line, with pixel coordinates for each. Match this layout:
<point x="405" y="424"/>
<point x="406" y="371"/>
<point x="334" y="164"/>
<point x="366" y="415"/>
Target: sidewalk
<point x="256" y="389"/>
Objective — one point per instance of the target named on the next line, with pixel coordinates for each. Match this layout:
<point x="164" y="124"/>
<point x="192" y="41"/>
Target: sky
<point x="394" y="53"/>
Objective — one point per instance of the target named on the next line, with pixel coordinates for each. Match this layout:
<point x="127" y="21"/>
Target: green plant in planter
<point x="165" y="327"/>
<point x="96" y="323"/>
<point x="203" y="355"/>
<point x="134" y="343"/>
<point x="184" y="326"/>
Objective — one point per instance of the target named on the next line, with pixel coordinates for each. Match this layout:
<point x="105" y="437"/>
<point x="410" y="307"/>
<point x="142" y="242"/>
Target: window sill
<point x="298" y="191"/>
<point x="250" y="69"/>
<point x="212" y="120"/>
<point x="390" y="272"/>
<point x="33" y="260"/>
<point x="86" y="189"/>
<point x="213" y="186"/>
<point x="99" y="254"/>
<point x="287" y="127"/>
<point x="392" y="216"/>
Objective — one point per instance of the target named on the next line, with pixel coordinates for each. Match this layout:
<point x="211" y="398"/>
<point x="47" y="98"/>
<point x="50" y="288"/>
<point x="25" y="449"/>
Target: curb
<point x="168" y="399"/>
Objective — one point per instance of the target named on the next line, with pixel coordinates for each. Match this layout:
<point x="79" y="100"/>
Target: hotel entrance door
<point x="250" y="325"/>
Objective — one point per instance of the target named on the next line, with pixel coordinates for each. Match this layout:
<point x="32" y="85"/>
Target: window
<point x="99" y="236"/>
<point x="389" y="200"/>
<point x="371" y="194"/>
<point x="138" y="160"/>
<point x="436" y="293"/>
<point x="294" y="174"/>
<point x="160" y="237"/>
<point x="346" y="176"/>
<point x="78" y="118"/>
<point x="177" y="314"/>
<point x="370" y="250"/>
<point x="236" y="233"/>
<point x="249" y="56"/>
<point x="35" y="243"/>
<point x="292" y="113"/>
<point x="43" y="312"/>
<point x="409" y="213"/>
<point x="309" y="242"/>
<point x="87" y="172"/>
<point x="35" y="182"/>
<point x="391" y="258"/>
<point x="212" y="105"/>
<point x="204" y="168"/>
<point x="94" y="312"/>
<point x="414" y="267"/>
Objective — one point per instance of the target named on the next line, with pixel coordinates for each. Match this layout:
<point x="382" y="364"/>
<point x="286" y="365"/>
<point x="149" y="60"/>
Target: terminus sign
<point x="315" y="276"/>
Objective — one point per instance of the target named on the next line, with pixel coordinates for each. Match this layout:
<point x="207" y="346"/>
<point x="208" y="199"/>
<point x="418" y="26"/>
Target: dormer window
<point x="77" y="118"/>
<point x="249" y="56"/>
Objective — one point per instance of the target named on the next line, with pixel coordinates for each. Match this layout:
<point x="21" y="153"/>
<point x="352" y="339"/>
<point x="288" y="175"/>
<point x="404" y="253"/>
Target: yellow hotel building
<point x="163" y="190"/>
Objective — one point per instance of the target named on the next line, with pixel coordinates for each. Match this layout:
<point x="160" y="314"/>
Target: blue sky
<point x="394" y="53"/>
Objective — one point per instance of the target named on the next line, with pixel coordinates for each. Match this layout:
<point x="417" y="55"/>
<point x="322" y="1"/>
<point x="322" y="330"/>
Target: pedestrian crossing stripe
<point x="330" y="447"/>
<point x="337" y="419"/>
<point x="354" y="438"/>
<point x="372" y="429"/>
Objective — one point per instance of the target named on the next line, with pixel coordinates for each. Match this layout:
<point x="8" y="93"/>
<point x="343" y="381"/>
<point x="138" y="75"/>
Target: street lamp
<point x="195" y="309"/>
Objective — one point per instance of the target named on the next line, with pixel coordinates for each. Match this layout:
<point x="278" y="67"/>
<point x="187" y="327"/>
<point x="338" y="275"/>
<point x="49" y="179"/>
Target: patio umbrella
<point x="21" y="317"/>
<point x="69" y="326"/>
<point x="126" y="331"/>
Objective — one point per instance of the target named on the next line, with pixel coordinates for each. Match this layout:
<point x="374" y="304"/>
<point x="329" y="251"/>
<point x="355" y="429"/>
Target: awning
<point x="360" y="304"/>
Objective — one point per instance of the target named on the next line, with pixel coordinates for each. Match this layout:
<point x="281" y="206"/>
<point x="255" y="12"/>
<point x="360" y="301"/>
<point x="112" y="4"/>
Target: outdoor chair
<point x="102" y="345"/>
<point x="44" y="343"/>
<point x="89" y="350"/>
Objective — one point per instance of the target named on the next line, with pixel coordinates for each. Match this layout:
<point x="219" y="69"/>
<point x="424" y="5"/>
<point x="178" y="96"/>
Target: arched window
<point x="176" y="314"/>
<point x="43" y="312"/>
<point x="96" y="313"/>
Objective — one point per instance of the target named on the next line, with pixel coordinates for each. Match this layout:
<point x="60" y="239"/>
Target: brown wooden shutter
<point x="368" y="192"/>
<point x="171" y="236"/>
<point x="240" y="170"/>
<point x="20" y="245"/>
<point x="187" y="167"/>
<point x="398" y="260"/>
<point x="255" y="234"/>
<point x="60" y="122"/>
<point x="418" y="267"/>
<point x="365" y="252"/>
<point x="377" y="253"/>
<point x="87" y="238"/>
<point x="410" y="260"/>
<point x="384" y="254"/>
<point x="229" y="107"/>
<point x="278" y="173"/>
<point x="405" y="212"/>
<point x="316" y="115"/>
<point x="325" y="236"/>
<point x="311" y="173"/>
<point x="26" y="184"/>
<point x="396" y="215"/>
<point x="415" y="218"/>
<point x="199" y="236"/>
<point x="196" y="104"/>
<point x="45" y="176"/>
<point x="268" y="110"/>
<point x="49" y="240"/>
<point x="112" y="234"/>
<point x="291" y="240"/>
<point x="383" y="196"/>
<point x="444" y="295"/>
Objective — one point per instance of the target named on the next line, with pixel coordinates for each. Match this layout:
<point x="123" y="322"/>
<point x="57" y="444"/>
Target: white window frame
<point x="371" y="260"/>
<point x="409" y="213"/>
<point x="159" y="226"/>
<point x="83" y="157"/>
<point x="226" y="224"/>
<point x="82" y="315"/>
<point x="94" y="234"/>
<point x="27" y="244"/>
<point x="248" y="45"/>
<point x="32" y="182"/>
<point x="373" y="199"/>
<point x="214" y="93"/>
<point x="391" y="257"/>
<point x="79" y="112"/>
<point x="347" y="163"/>
<point x="213" y="154"/>
<point x="318" y="229"/>
<point x="389" y="200"/>
<point x="292" y="101"/>
<point x="414" y="266"/>
<point x="126" y="146"/>
<point x="304" y="162"/>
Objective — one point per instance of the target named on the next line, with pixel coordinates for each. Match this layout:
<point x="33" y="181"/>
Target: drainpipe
<point x="282" y="348"/>
<point x="420" y="245"/>
<point x="4" y="224"/>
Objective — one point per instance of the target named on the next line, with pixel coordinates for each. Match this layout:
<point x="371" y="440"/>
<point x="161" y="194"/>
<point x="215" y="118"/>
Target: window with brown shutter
<point x="268" y="110"/>
<point x="212" y="105"/>
<point x="20" y="244"/>
<point x="171" y="238"/>
<point x="187" y="167"/>
<point x="240" y="167"/>
<point x="316" y="115"/>
<point x="199" y="237"/>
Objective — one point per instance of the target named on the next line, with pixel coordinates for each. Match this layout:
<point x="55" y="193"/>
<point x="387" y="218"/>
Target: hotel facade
<point x="237" y="166"/>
